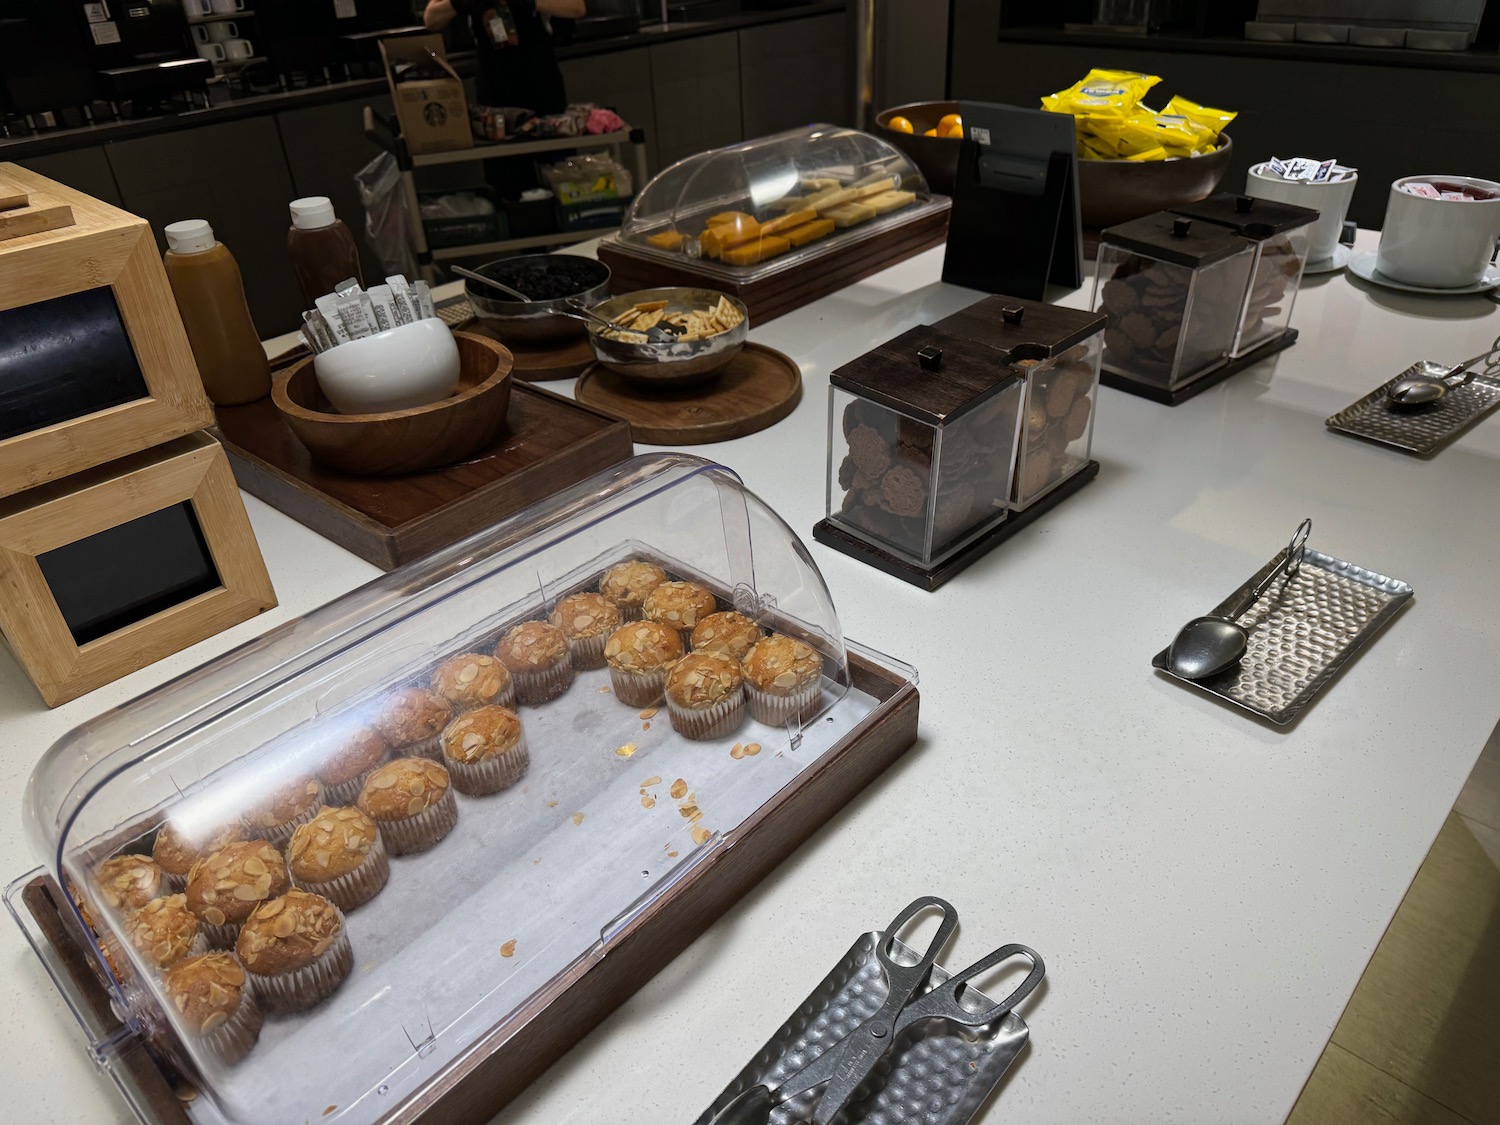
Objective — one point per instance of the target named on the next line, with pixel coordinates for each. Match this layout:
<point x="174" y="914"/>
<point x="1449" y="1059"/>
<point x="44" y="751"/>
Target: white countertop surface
<point x="1206" y="889"/>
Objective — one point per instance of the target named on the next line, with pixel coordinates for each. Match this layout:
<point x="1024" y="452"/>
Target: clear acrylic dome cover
<point x="831" y="171"/>
<point x="532" y="881"/>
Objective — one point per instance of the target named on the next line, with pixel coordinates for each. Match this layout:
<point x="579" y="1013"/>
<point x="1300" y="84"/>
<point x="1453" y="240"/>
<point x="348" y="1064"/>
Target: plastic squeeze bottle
<point x="205" y="279"/>
<point x="322" y="250"/>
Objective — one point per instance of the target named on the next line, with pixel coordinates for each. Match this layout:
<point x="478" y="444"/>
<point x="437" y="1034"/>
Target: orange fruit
<point x="955" y="132"/>
<point x="930" y="133"/>
<point x="950" y="121"/>
<point x="901" y="125"/>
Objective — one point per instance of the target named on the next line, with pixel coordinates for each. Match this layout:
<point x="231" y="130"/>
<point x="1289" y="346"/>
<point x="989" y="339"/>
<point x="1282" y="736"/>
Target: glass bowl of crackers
<point x="707" y="330"/>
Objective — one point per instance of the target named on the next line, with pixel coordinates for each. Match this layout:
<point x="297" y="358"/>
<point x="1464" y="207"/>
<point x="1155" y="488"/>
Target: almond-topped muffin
<point x="276" y="815"/>
<point x="412" y="722"/>
<point x="628" y="584"/>
<point x="729" y="633"/>
<point x="339" y="855"/>
<point x="639" y="655"/>
<point x="412" y="801"/>
<point x="345" y="759"/>
<point x="224" y="887"/>
<point x="128" y="882"/>
<point x="165" y="931"/>
<point x="586" y="620"/>
<point x="177" y="849"/>
<point x="471" y="680"/>
<point x="536" y="656"/>
<point x="212" y="1000"/>
<point x="485" y="751"/>
<point x="680" y="606"/>
<point x="783" y="677"/>
<point x="295" y="950"/>
<point x="705" y="695"/>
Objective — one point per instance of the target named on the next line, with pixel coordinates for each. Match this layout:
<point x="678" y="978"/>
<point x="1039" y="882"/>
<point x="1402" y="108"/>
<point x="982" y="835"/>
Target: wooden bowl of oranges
<point x="928" y="132"/>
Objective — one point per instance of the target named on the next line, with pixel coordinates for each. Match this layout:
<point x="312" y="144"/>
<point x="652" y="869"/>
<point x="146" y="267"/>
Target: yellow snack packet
<point x="1157" y="153"/>
<point x="1214" y="120"/>
<point x="1117" y="90"/>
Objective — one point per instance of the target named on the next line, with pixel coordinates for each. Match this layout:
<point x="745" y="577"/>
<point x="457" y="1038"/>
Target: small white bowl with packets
<point x="380" y="350"/>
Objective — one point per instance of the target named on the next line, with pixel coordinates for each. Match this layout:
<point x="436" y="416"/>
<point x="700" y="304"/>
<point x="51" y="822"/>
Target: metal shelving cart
<point x="384" y="132"/>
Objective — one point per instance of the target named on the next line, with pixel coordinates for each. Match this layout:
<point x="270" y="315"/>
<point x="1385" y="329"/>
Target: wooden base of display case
<point x="513" y="1055"/>
<point x="549" y="442"/>
<point x="1214" y="375"/>
<point x="930" y="578"/>
<point x="788" y="289"/>
<point x="759" y="388"/>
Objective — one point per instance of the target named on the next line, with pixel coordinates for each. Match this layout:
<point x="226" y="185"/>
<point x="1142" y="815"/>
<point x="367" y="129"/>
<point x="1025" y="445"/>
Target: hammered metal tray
<point x="1300" y="638"/>
<point x="940" y="1075"/>
<point x="1422" y="432"/>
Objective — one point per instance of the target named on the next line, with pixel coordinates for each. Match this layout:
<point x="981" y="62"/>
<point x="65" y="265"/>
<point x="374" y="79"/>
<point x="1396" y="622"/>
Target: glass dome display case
<point x="391" y="859"/>
<point x="740" y="218"/>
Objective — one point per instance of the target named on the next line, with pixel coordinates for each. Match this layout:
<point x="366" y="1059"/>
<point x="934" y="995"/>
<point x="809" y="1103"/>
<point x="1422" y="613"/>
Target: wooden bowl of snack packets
<point x="710" y="329"/>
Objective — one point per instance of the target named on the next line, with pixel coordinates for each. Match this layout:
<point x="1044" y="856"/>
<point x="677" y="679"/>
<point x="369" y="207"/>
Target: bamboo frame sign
<point x="119" y="566"/>
<point x="94" y="361"/>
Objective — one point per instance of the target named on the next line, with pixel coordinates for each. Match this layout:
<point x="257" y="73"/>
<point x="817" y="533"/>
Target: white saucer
<point x="1362" y="265"/>
<point x="1335" y="261"/>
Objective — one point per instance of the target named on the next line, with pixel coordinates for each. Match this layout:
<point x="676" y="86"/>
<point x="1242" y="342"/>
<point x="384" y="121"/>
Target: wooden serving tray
<point x="512" y="1055"/>
<point x="549" y="442"/>
<point x="787" y="289"/>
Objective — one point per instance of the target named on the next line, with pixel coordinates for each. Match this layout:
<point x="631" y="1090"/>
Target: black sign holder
<point x="1015" y="223"/>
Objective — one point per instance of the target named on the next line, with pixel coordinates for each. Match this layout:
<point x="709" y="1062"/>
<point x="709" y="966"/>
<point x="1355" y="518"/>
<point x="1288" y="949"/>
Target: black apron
<point x="525" y="75"/>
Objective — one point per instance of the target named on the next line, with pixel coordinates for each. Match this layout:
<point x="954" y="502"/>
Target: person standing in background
<point x="516" y="65"/>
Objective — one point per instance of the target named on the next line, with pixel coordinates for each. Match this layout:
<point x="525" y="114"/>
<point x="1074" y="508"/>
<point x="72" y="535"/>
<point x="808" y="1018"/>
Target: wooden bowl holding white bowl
<point x="403" y="441"/>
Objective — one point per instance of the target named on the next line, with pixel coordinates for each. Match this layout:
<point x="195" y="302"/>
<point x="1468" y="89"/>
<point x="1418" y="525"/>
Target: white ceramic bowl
<point x="410" y="365"/>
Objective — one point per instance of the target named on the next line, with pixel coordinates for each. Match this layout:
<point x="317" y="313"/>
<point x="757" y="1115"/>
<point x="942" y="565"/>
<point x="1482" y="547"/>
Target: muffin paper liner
<point x="310" y="985"/>
<point x="638" y="689"/>
<point x="712" y="722"/>
<point x="587" y="652"/>
<point x="420" y="832"/>
<point x="357" y="887"/>
<point x="534" y="688"/>
<point x="491" y="773"/>
<point x="231" y="1040"/>
<point x="776" y="710"/>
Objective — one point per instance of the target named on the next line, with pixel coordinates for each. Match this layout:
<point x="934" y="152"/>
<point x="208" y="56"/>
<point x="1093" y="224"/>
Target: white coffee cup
<point x="1439" y="243"/>
<point x="213" y="52"/>
<point x="221" y="31"/>
<point x="227" y="7"/>
<point x="1329" y="198"/>
<point x="197" y="8"/>
<point x="237" y="49"/>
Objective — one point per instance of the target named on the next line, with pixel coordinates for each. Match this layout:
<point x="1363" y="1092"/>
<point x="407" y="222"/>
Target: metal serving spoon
<point x="1425" y="383"/>
<point x="1207" y="645"/>
<point x="656" y="334"/>
<point x="463" y="271"/>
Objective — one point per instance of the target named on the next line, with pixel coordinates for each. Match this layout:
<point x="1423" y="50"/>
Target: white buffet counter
<point x="1205" y="889"/>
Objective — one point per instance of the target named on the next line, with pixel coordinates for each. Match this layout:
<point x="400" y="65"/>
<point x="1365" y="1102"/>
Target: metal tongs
<point x="844" y="1067"/>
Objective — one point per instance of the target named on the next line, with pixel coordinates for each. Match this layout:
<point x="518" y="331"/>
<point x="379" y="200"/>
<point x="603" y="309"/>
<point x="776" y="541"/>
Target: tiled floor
<point x="1419" y="1042"/>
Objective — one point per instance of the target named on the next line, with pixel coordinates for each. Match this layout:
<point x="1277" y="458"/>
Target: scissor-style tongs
<point x="844" y="1067"/>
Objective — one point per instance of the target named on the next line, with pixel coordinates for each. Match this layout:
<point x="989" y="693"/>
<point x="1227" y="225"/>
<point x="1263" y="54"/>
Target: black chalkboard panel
<point x="63" y="358"/>
<point x="110" y="579"/>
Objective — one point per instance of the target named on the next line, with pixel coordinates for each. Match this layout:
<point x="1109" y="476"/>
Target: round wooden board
<point x="758" y="389"/>
<point x="541" y="363"/>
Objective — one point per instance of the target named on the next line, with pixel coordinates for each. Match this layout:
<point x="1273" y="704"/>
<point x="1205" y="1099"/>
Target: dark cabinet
<point x="234" y="174"/>
<point x="797" y="73"/>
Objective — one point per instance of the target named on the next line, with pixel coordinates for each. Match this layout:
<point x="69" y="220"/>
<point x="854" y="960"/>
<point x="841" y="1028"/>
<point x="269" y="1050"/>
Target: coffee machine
<point x="44" y="69"/>
<point x="141" y="53"/>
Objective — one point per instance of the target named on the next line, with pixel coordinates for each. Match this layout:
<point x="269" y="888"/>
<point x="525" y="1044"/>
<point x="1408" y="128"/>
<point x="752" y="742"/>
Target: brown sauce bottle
<point x="322" y="250"/>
